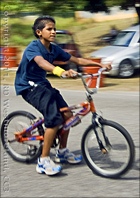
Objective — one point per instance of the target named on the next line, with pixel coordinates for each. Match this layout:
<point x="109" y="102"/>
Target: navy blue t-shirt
<point x="28" y="69"/>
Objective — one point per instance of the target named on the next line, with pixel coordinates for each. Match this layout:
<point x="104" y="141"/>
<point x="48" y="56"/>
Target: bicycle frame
<point x="86" y="107"/>
<point x="106" y="146"/>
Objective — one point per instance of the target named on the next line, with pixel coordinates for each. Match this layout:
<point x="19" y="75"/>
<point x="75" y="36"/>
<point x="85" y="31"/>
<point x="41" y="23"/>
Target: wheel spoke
<point x="20" y="151"/>
<point x="126" y="69"/>
<point x="118" y="155"/>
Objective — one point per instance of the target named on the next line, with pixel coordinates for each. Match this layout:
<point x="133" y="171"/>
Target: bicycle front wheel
<point x="16" y="122"/>
<point x="119" y="147"/>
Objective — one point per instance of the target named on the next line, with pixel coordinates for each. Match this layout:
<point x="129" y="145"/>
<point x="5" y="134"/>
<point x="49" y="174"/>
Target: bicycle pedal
<point x="56" y="142"/>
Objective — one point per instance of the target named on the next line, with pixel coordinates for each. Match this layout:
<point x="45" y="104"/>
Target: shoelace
<point x="49" y="163"/>
<point x="68" y="154"/>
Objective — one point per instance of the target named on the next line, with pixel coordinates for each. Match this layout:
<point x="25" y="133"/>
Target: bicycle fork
<point x="96" y="122"/>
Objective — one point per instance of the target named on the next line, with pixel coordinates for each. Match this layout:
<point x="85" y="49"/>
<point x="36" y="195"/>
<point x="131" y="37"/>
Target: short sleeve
<point x="32" y="51"/>
<point x="62" y="55"/>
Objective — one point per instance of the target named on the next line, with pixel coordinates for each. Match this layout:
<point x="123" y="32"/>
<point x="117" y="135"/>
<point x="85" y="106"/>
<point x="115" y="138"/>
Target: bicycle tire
<point x="119" y="157"/>
<point x="15" y="122"/>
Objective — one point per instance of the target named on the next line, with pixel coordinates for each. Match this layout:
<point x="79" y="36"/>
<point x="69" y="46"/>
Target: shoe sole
<point x="45" y="172"/>
<point x="58" y="160"/>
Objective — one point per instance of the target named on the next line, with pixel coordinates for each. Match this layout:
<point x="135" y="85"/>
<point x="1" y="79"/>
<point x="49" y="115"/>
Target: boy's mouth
<point x="52" y="37"/>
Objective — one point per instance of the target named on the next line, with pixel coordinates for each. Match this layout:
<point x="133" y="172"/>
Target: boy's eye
<point x="50" y="29"/>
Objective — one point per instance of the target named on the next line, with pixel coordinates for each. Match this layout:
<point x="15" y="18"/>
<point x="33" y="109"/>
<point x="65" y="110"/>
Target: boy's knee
<point x="67" y="115"/>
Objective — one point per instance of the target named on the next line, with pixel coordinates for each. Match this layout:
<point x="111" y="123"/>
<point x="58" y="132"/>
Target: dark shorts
<point x="48" y="101"/>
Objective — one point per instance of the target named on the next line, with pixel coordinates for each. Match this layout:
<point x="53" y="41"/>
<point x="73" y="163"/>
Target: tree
<point x="65" y="8"/>
<point x="96" y="5"/>
<point x="104" y="5"/>
<point x="50" y="7"/>
<point x="137" y="7"/>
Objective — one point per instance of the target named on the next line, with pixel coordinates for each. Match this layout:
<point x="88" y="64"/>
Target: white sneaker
<point x="47" y="166"/>
<point x="67" y="156"/>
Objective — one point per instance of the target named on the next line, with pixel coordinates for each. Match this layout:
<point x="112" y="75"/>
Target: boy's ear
<point x="38" y="32"/>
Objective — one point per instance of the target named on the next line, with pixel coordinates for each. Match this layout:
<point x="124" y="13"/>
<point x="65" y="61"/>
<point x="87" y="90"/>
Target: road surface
<point x="21" y="180"/>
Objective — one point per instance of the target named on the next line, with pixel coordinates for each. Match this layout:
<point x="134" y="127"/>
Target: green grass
<point x="20" y="29"/>
<point x="86" y="33"/>
<point x="87" y="36"/>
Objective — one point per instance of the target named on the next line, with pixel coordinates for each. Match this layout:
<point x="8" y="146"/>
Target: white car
<point x="123" y="53"/>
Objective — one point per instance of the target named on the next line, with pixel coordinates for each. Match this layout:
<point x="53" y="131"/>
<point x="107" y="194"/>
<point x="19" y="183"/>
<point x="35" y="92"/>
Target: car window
<point x="123" y="38"/>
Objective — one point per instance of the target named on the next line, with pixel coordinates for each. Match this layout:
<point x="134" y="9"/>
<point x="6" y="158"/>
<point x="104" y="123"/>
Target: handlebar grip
<point x="64" y="76"/>
<point x="83" y="76"/>
<point x="73" y="76"/>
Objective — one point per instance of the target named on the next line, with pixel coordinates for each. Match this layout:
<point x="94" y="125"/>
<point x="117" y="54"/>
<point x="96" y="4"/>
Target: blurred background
<point x="89" y="22"/>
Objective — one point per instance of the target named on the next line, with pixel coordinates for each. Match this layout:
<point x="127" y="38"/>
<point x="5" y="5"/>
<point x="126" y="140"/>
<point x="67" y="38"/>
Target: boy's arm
<point x="41" y="62"/>
<point x="88" y="62"/>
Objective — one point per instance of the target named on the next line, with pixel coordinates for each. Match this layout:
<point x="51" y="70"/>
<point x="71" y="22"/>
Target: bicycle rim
<point x="119" y="156"/>
<point x="16" y="122"/>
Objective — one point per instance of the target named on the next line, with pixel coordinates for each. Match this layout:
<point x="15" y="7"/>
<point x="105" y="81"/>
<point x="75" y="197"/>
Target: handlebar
<point x="98" y="75"/>
<point x="83" y="76"/>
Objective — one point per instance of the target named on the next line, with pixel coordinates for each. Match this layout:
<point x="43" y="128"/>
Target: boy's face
<point x="48" y="33"/>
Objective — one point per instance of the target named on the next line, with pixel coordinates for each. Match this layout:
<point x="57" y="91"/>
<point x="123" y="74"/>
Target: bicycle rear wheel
<point x="28" y="151"/>
<point x="120" y="151"/>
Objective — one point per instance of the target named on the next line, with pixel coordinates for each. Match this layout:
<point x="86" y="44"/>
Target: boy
<point x="31" y="83"/>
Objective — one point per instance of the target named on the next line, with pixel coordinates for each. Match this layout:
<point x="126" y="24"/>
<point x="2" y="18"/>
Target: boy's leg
<point x="64" y="136"/>
<point x="45" y="164"/>
<point x="44" y="100"/>
<point x="63" y="154"/>
<point x="48" y="140"/>
<point x="63" y="140"/>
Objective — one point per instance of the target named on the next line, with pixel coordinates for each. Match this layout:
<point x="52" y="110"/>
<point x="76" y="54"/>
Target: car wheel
<point x="126" y="69"/>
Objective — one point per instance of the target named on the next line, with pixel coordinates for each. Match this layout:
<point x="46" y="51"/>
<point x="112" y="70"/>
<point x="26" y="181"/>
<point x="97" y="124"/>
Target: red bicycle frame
<point x="87" y="107"/>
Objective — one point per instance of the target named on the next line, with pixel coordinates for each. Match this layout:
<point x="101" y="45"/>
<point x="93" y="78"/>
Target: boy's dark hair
<point x="40" y="22"/>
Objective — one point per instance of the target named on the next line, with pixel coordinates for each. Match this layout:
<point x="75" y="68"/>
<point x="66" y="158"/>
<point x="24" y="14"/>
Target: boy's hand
<point x="107" y="66"/>
<point x="70" y="73"/>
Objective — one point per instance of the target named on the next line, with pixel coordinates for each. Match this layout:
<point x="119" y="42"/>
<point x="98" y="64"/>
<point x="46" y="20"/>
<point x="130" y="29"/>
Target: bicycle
<point x="106" y="146"/>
